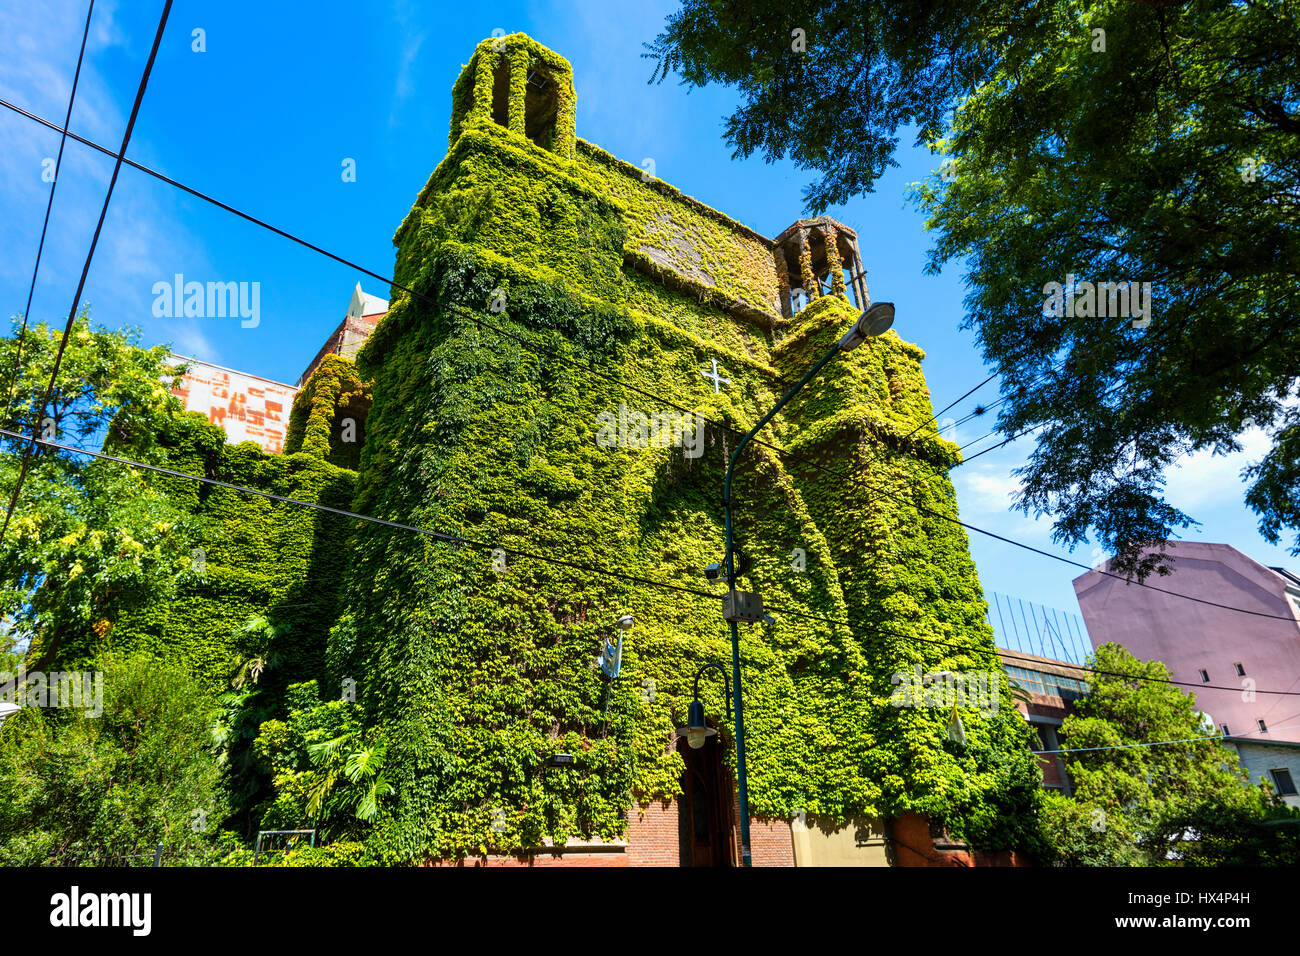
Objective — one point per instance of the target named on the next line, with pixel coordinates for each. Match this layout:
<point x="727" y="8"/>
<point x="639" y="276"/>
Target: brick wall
<point x="654" y="835"/>
<point x="654" y="838"/>
<point x="914" y="845"/>
<point x="771" y="843"/>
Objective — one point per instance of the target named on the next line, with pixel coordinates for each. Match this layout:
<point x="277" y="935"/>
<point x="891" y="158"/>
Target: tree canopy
<point x="828" y="84"/>
<point x="89" y="537"/>
<point x="143" y="772"/>
<point x="1152" y="784"/>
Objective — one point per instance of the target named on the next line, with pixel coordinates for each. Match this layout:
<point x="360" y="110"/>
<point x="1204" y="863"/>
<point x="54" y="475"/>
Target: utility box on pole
<point x="742" y="607"/>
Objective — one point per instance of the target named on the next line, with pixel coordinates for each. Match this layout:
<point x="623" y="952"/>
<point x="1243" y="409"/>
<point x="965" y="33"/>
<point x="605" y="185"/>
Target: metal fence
<point x="278" y="842"/>
<point x="270" y="846"/>
<point x="1020" y="625"/>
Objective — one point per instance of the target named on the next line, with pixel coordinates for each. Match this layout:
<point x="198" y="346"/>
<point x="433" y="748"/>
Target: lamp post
<point x="739" y="606"/>
<point x="696" y="730"/>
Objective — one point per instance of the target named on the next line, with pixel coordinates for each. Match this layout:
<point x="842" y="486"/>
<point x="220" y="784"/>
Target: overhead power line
<point x="49" y="205"/>
<point x="586" y="367"/>
<point x="85" y="269"/>
<point x="1069" y="751"/>
<point x="454" y="539"/>
<point x="461" y="540"/>
<point x="935" y="416"/>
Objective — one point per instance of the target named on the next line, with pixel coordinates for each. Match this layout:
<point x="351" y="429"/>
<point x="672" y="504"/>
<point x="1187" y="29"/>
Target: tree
<point x="327" y="771"/>
<point x="829" y="83"/>
<point x="1167" y="155"/>
<point x="104" y="377"/>
<point x="89" y="538"/>
<point x="77" y="787"/>
<point x="1109" y="141"/>
<point x="1145" y="768"/>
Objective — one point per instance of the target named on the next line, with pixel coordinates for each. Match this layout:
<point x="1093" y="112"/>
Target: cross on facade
<point x="714" y="377"/>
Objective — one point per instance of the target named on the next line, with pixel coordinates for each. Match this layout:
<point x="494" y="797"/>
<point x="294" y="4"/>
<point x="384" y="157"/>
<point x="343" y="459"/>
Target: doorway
<point x="704" y="820"/>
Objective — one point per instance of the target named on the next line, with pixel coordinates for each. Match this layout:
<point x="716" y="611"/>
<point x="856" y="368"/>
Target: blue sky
<point x="265" y="117"/>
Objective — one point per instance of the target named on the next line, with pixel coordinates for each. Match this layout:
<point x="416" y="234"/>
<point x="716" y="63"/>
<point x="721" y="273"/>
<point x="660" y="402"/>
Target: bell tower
<point x="817" y="257"/>
<point x="515" y="82"/>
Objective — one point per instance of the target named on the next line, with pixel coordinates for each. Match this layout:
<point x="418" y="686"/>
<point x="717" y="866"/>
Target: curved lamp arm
<point x="725" y="680"/>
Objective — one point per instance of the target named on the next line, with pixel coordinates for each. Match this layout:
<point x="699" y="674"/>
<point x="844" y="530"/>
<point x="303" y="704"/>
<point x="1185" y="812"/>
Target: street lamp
<point x="876" y="320"/>
<point x="740" y="606"/>
<point x="696" y="730"/>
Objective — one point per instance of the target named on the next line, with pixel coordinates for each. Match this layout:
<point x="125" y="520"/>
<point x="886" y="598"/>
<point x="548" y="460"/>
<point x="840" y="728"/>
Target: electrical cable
<point x="454" y="539"/>
<point x="935" y="416"/>
<point x="587" y="367"/>
<point x="1154" y="743"/>
<point x="49" y="205"/>
<point x="85" y="270"/>
<point x="460" y="540"/>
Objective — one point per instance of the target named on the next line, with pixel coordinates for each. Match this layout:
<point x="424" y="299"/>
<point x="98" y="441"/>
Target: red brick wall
<point x="914" y="846"/>
<point x="1051" y="771"/>
<point x="771" y="843"/>
<point x="653" y="839"/>
<point x="653" y="836"/>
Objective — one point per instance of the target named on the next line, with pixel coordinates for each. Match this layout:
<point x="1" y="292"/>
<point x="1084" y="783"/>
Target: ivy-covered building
<point x="555" y="405"/>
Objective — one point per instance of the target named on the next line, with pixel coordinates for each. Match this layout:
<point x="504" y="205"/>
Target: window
<point x="1241" y="671"/>
<point x="541" y="106"/>
<point x="1049" y="685"/>
<point x="1262" y="728"/>
<point x="1205" y="677"/>
<point x="1282" y="782"/>
<point x="1029" y="680"/>
<point x="1224" y="727"/>
<point x="501" y="92"/>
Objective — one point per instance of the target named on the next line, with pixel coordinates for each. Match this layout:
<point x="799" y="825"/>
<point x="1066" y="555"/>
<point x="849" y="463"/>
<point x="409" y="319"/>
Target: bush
<point x="80" y="788"/>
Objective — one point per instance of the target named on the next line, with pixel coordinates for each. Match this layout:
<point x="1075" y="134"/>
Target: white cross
<point x="714" y="377"/>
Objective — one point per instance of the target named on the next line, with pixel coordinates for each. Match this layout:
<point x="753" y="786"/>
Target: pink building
<point x="1201" y="644"/>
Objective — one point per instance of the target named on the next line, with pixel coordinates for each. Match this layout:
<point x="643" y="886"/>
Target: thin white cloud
<point x="1204" y="480"/>
<point x="145" y="227"/>
<point x="986" y="490"/>
<point x="406" y="17"/>
<point x="188" y="339"/>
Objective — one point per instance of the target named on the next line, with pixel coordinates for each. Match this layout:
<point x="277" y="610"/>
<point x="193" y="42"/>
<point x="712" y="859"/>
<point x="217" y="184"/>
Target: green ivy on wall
<point x="478" y="666"/>
<point x="260" y="557"/>
<point x="329" y="414"/>
<point x="472" y="664"/>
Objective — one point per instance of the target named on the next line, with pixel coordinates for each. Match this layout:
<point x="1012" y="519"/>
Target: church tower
<point x="556" y="406"/>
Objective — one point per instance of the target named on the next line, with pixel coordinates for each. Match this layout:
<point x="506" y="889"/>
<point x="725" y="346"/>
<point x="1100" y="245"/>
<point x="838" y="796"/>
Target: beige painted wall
<point x="860" y="842"/>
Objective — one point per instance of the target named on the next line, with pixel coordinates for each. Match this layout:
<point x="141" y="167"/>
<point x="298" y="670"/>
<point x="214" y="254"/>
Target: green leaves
<point x="1142" y="770"/>
<point x="1167" y="155"/>
<point x="326" y="769"/>
<point x="1166" y="159"/>
<point x="142" y="773"/>
<point x="89" y="541"/>
<point x="835" y="107"/>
